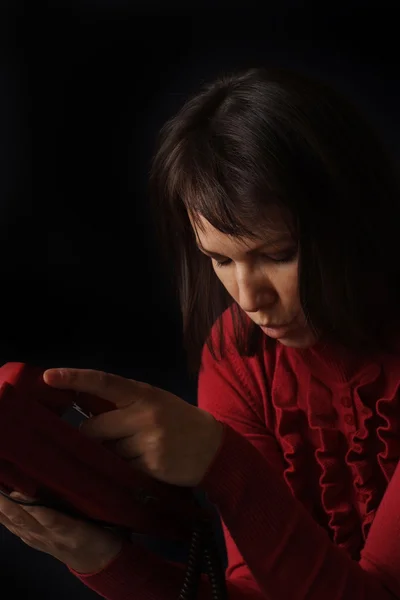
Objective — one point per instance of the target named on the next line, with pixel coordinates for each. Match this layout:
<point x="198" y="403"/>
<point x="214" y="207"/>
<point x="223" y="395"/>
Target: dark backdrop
<point x="84" y="87"/>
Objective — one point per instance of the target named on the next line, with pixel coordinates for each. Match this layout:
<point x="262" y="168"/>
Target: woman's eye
<point x="222" y="263"/>
<point x="284" y="257"/>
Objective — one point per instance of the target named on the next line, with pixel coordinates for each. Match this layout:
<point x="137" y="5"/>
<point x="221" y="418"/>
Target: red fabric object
<point x="307" y="479"/>
<point x="47" y="458"/>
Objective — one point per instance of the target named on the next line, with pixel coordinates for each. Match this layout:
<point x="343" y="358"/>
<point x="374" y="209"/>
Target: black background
<point x="84" y="88"/>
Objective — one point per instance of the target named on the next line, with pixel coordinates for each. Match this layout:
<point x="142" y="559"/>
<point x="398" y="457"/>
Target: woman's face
<point x="262" y="277"/>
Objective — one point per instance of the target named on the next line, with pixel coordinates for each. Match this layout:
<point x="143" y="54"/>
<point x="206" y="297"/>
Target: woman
<point x="282" y="213"/>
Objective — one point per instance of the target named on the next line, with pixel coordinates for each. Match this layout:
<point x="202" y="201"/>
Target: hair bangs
<point x="211" y="185"/>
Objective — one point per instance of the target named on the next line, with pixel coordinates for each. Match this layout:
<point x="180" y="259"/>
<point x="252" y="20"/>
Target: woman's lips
<point x="276" y="332"/>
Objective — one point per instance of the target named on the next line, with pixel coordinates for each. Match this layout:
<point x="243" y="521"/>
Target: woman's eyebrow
<point x="270" y="244"/>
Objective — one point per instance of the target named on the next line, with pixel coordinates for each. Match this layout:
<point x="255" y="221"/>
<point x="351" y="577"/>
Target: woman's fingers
<point x="19" y="522"/>
<point x="116" y="389"/>
<point x="82" y="546"/>
<point x="116" y="424"/>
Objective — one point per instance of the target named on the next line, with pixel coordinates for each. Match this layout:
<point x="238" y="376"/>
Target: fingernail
<point x="19" y="496"/>
<point x="59" y="373"/>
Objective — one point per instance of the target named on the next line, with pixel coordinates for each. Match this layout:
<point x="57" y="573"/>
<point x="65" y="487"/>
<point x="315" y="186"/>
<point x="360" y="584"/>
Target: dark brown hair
<point x="261" y="137"/>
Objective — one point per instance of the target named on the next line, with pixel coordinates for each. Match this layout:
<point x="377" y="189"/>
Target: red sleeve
<point x="137" y="573"/>
<point x="275" y="549"/>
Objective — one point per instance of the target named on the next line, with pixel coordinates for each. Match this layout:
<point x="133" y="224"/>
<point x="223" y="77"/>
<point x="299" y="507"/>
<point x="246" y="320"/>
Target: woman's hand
<point x="165" y="436"/>
<point x="83" y="547"/>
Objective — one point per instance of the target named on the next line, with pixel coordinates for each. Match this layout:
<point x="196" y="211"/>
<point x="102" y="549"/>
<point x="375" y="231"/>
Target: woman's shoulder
<point x="232" y="384"/>
<point x="267" y="360"/>
<point x="225" y="353"/>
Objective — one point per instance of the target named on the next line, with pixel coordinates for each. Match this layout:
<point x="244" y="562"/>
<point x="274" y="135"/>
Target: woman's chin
<point x="301" y="339"/>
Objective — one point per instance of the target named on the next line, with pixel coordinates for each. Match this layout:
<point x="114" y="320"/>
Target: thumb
<point x="23" y="497"/>
<point x="114" y="388"/>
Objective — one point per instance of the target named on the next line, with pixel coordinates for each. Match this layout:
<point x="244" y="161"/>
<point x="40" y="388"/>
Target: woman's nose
<point x="254" y="298"/>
